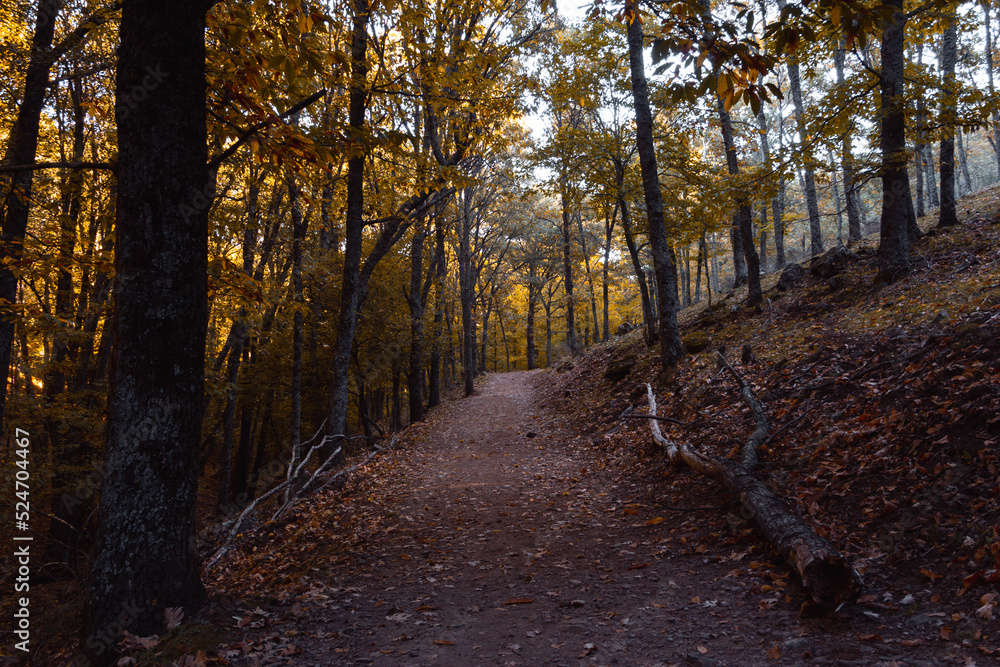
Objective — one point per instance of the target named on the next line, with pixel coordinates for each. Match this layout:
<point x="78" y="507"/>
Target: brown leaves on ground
<point x="885" y="417"/>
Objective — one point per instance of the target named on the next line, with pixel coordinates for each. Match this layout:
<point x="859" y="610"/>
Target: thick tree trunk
<point x="894" y="240"/>
<point x="949" y="54"/>
<point x="671" y="349"/>
<point x="146" y="558"/>
<point x="22" y="143"/>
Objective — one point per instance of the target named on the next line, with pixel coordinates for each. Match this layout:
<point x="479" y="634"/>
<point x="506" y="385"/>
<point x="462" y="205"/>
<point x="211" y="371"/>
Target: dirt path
<point x="491" y="540"/>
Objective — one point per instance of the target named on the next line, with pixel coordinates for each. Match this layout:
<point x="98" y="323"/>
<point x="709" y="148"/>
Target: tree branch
<point x="216" y="161"/>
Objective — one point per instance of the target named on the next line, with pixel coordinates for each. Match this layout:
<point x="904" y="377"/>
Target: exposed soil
<point x="492" y="534"/>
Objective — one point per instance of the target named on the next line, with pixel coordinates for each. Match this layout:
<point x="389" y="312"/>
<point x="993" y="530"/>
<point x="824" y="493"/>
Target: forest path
<point x="491" y="540"/>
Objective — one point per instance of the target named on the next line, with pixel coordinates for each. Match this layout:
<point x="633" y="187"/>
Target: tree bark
<point x="146" y="557"/>
<point x="671" y="349"/>
<point x="894" y="241"/>
<point x="949" y="54"/>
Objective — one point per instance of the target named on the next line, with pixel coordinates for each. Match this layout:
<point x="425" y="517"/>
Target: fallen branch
<point x="824" y="572"/>
<point x="759" y="435"/>
<point x="293" y="477"/>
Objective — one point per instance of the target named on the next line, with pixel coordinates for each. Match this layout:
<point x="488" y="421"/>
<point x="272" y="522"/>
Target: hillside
<point x="883" y="405"/>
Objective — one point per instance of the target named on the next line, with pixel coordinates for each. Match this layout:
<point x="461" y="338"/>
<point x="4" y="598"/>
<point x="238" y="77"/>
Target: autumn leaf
<point x="444" y="642"/>
<point x="774" y="653"/>
<point x="519" y="601"/>
<point x="653" y="522"/>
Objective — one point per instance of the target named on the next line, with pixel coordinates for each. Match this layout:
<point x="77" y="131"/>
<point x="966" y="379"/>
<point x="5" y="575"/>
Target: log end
<point x="828" y="577"/>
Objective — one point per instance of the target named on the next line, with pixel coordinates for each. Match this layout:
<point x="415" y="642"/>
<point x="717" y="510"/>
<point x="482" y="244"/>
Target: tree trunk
<point x="671" y="349"/>
<point x="809" y="177"/>
<point x="547" y="303"/>
<point x="414" y="297"/>
<point x="838" y="204"/>
<point x="918" y="168"/>
<point x="434" y="391"/>
<point x="847" y="159"/>
<point x="743" y="218"/>
<point x="146" y="557"/>
<point x="931" y="183"/>
<point x="590" y="275"/>
<point x="298" y="236"/>
<point x="467" y="295"/>
<point x="529" y="335"/>
<point x="776" y="201"/>
<point x="568" y="274"/>
<point x="351" y="291"/>
<point x="640" y="275"/>
<point x="894" y="242"/>
<point x="22" y="143"/>
<point x="949" y="54"/>
<point x="609" y="229"/>
<point x="963" y="161"/>
<point x="989" y="77"/>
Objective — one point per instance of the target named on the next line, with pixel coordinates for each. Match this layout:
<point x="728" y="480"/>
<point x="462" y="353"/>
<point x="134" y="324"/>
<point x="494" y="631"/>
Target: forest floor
<point x="493" y="534"/>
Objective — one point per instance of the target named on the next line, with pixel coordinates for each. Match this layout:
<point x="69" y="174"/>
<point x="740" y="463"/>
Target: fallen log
<point x="825" y="574"/>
